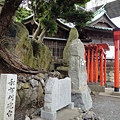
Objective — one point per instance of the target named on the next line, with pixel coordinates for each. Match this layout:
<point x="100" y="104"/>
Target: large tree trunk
<point x="8" y="11"/>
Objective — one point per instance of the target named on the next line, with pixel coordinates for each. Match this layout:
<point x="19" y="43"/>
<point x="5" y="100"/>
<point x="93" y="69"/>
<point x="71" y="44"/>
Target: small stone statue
<point x="72" y="36"/>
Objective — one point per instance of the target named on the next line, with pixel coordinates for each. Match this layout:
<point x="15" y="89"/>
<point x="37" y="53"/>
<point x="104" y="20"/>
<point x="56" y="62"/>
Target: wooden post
<point x="116" y="76"/>
<point x="96" y="66"/>
<point x="116" y="66"/>
<point x="85" y="55"/>
<point x="101" y="66"/>
<point x="92" y="65"/>
<point x="104" y="68"/>
<point x="88" y="64"/>
<point x="116" y="62"/>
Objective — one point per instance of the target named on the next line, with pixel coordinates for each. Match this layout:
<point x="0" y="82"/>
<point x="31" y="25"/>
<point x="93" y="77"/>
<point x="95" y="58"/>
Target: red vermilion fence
<point x="95" y="57"/>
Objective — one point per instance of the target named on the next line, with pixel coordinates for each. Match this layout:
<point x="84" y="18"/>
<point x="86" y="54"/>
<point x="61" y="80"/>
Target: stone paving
<point x="64" y="114"/>
<point x="105" y="105"/>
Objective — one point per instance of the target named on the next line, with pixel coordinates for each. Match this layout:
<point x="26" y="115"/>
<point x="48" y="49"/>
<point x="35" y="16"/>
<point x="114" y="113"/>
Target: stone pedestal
<point x="82" y="98"/>
<point x="48" y="115"/>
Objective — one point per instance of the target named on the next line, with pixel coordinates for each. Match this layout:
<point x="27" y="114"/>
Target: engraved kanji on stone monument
<point x="8" y="84"/>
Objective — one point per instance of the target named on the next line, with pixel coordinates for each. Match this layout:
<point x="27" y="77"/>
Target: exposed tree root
<point x="15" y="62"/>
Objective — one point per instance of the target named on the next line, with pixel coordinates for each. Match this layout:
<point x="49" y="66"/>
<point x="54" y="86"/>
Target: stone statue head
<point x="73" y="35"/>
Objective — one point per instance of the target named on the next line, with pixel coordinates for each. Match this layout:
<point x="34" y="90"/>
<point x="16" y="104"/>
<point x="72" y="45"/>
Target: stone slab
<point x="115" y="93"/>
<point x="109" y="84"/>
<point x="8" y="83"/>
<point x="110" y="93"/>
<point x="57" y="94"/>
<point x="97" y="88"/>
<point x="67" y="114"/>
<point x="64" y="114"/>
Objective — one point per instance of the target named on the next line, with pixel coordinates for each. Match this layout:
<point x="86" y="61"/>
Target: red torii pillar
<point x="92" y="65"/>
<point x="101" y="65"/>
<point x="88" y="64"/>
<point x="116" y="62"/>
<point x="96" y="65"/>
<point x="104" y="68"/>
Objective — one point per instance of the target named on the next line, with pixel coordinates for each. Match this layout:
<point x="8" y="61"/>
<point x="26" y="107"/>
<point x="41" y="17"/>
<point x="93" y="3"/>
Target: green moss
<point x="13" y="35"/>
<point x="42" y="54"/>
<point x="72" y="36"/>
<point x="62" y="68"/>
<point x="32" y="53"/>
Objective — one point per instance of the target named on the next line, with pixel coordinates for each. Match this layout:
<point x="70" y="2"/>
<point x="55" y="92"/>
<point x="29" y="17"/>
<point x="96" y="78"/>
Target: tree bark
<point x="15" y="62"/>
<point x="37" y="32"/>
<point x="8" y="11"/>
<point x="42" y="34"/>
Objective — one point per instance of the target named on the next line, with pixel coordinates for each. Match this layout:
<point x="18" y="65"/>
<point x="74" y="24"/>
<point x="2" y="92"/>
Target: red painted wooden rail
<point x="95" y="57"/>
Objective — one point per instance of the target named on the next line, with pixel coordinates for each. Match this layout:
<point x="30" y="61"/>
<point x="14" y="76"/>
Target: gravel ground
<point x="106" y="107"/>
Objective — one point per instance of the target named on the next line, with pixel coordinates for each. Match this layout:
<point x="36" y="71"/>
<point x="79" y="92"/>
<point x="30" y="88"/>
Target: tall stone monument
<point x="77" y="72"/>
<point x="8" y="83"/>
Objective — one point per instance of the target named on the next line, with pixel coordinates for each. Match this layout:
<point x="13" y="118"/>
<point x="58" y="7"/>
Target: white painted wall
<point x="110" y="54"/>
<point x="116" y="21"/>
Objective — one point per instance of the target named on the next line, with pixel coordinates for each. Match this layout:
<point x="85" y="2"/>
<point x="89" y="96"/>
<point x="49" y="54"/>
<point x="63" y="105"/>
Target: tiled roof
<point x="101" y="28"/>
<point x="112" y="8"/>
<point x="97" y="16"/>
<point x="61" y="21"/>
<point x="99" y="13"/>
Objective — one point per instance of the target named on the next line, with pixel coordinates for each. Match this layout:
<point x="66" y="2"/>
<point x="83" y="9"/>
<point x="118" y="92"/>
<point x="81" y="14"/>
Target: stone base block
<point x="48" y="115"/>
<point x="115" y="93"/>
<point x="109" y="84"/>
<point x="71" y="105"/>
<point x="97" y="88"/>
<point x="82" y="99"/>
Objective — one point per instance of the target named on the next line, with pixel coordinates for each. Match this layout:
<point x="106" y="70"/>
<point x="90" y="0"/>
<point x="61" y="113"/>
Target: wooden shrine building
<point x="98" y="32"/>
<point x="99" y="65"/>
